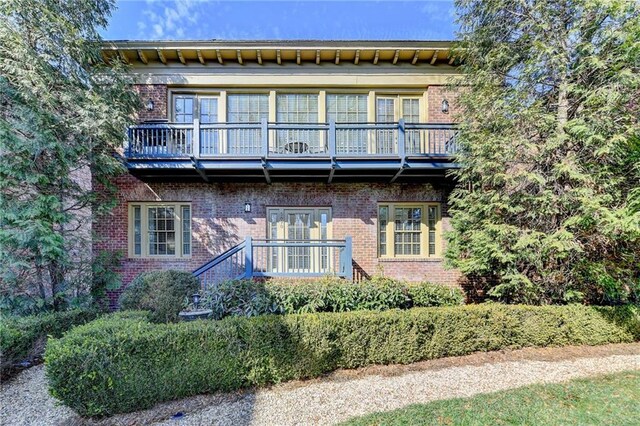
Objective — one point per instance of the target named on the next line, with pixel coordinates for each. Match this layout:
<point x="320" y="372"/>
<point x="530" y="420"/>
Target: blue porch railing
<point x="282" y="140"/>
<point x="254" y="258"/>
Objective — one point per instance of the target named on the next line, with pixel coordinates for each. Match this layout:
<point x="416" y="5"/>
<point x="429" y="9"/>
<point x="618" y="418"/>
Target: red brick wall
<point x="219" y="220"/>
<point x="435" y="96"/>
<point x="158" y="94"/>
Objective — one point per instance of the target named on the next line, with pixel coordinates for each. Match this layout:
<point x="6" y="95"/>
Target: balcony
<point x="284" y="151"/>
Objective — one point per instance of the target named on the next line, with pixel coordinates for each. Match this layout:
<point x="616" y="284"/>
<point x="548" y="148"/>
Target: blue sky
<point x="243" y="20"/>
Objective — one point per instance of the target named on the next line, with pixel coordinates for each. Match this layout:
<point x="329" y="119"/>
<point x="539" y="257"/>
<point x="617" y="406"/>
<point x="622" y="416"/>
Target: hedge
<point x="251" y="298"/>
<point x="117" y="365"/>
<point x="24" y="338"/>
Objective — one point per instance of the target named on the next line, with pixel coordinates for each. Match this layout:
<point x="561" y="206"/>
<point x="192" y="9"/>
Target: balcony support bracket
<point x="198" y="168"/>
<point x="403" y="167"/>
<point x="332" y="171"/>
<point x="265" y="170"/>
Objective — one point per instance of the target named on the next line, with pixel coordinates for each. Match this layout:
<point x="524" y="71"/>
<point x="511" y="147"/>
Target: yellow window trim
<point x="144" y="230"/>
<point x="424" y="230"/>
<point x="222" y="93"/>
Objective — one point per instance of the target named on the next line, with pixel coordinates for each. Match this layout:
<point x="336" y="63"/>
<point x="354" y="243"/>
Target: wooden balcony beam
<point x="142" y="57"/>
<point x="415" y="57"/>
<point x="318" y="57"/>
<point x="452" y="59"/>
<point x="161" y="56"/>
<point x="200" y="57"/>
<point x="278" y="57"/>
<point x="219" y="56"/>
<point x="298" y="56"/>
<point x="123" y="57"/>
<point x="337" y="56"/>
<point x="376" y="57"/>
<point x="434" y="58"/>
<point x="181" y="57"/>
<point x="396" y="56"/>
<point x="259" y="56"/>
<point x="239" y="54"/>
<point x="357" y="58"/>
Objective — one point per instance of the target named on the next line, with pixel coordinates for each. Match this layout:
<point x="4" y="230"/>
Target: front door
<point x="296" y="228"/>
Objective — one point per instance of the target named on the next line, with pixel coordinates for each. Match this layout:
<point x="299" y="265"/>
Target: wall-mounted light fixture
<point x="445" y="106"/>
<point x="247" y="207"/>
<point x="149" y="105"/>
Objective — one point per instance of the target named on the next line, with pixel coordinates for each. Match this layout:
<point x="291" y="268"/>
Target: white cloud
<point x="167" y="19"/>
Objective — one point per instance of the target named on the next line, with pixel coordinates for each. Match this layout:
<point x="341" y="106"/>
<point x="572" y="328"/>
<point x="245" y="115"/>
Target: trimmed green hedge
<point x="24" y="338"/>
<point x="117" y="365"/>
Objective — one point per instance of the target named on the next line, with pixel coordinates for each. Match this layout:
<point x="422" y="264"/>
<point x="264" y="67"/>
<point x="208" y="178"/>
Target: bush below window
<point x="251" y="298"/>
<point x="160" y="292"/>
<point x="115" y="364"/>
<point x="22" y="339"/>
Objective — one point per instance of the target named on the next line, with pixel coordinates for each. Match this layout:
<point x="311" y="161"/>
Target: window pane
<point x="349" y="108"/>
<point x="383" y="220"/>
<point x="246" y="108"/>
<point x="209" y="110"/>
<point x="432" y="220"/>
<point x="186" y="230"/>
<point x="183" y="109"/>
<point x="407" y="230"/>
<point x="162" y="233"/>
<point x="298" y="108"/>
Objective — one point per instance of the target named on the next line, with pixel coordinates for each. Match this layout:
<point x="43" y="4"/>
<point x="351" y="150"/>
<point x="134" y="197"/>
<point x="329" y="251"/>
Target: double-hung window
<point x="159" y="230"/>
<point x="298" y="108"/>
<point x="246" y="108"/>
<point x="349" y="108"/>
<point x="408" y="230"/>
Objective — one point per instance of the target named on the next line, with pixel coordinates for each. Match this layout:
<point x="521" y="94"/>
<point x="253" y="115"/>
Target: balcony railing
<point x="264" y="139"/>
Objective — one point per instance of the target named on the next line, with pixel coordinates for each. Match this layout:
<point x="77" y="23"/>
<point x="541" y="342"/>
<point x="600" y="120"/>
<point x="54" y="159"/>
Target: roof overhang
<point x="211" y="52"/>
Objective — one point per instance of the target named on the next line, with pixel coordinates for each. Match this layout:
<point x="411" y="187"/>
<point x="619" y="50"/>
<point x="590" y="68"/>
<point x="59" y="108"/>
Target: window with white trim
<point x="246" y="108"/>
<point x="408" y="230"/>
<point x="159" y="230"/>
<point x="349" y="108"/>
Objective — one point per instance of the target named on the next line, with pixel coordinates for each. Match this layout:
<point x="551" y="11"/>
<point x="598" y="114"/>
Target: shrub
<point x="160" y="292"/>
<point x="22" y="339"/>
<point x="426" y="294"/>
<point x="329" y="294"/>
<point x="117" y="365"/>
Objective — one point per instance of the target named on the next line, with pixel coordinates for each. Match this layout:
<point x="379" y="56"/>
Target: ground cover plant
<point x="117" y="364"/>
<point x="329" y="294"/>
<point x="607" y="400"/>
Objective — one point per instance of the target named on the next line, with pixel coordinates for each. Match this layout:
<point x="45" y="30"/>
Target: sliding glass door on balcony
<point x="391" y="109"/>
<point x="299" y="108"/>
<point x="210" y="139"/>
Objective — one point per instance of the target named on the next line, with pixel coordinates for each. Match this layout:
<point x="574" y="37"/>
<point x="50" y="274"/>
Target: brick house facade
<point x="217" y="207"/>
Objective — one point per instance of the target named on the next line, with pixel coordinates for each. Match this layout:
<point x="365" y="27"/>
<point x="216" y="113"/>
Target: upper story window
<point x="247" y="108"/>
<point x="187" y="107"/>
<point x="350" y="108"/>
<point x="183" y="109"/>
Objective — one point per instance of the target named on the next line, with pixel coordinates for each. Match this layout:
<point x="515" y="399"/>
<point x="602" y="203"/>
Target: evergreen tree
<point x="547" y="207"/>
<point x="63" y="115"/>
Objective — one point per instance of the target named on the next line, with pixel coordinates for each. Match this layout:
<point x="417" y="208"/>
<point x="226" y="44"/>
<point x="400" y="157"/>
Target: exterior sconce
<point x="149" y="105"/>
<point x="445" y="106"/>
<point x="247" y="207"/>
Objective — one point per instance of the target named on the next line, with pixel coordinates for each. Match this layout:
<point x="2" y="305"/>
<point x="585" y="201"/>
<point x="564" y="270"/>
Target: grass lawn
<point x="605" y="400"/>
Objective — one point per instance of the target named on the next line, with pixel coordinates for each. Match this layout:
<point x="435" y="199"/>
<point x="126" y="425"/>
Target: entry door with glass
<point x="300" y="232"/>
<point x="390" y="109"/>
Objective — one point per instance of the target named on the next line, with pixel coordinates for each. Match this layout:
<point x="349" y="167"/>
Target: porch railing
<point x="264" y="139"/>
<point x="255" y="258"/>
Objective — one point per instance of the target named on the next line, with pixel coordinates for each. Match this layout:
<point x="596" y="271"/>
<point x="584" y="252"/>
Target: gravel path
<point x="342" y="395"/>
